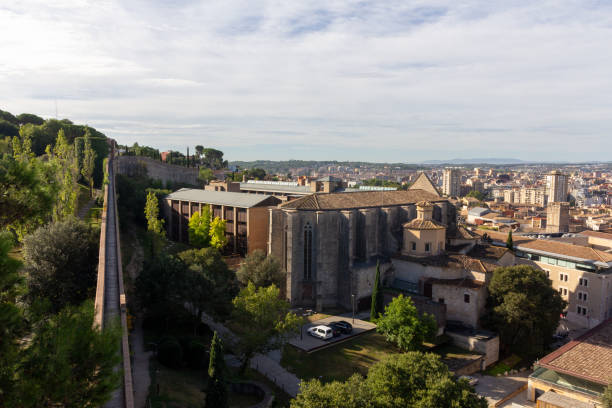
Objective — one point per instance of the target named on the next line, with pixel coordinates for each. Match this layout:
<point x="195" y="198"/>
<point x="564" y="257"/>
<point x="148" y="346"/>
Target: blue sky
<point x="400" y="81"/>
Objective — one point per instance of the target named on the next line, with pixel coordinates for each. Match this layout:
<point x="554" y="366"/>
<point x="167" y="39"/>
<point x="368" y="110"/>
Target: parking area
<point x="311" y="344"/>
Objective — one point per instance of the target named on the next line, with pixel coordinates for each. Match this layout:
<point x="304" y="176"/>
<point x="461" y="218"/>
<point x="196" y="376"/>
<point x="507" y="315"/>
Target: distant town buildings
<point x="556" y="185"/>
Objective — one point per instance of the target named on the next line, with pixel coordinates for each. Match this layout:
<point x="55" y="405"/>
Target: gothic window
<point x="307" y="252"/>
<point x="285" y="249"/>
<point x="413" y="245"/>
<point x="427" y="247"/>
<point x="360" y="248"/>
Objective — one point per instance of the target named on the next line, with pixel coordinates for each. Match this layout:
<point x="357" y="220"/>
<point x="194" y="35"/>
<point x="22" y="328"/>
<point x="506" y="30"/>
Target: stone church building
<point x="329" y="244"/>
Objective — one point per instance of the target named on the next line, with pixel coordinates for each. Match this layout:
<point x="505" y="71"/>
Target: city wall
<point x="144" y="166"/>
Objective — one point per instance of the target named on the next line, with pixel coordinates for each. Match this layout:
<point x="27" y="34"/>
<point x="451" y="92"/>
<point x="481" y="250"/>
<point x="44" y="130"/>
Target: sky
<point x="381" y="81"/>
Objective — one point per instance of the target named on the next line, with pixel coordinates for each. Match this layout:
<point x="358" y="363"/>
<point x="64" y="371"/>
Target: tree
<point x="607" y="397"/>
<point x="89" y="162"/>
<point x="409" y="380"/>
<point x="11" y="321"/>
<point x="402" y="325"/>
<point x="509" y="243"/>
<point x="61" y="261"/>
<point x="257" y="174"/>
<point x="216" y="389"/>
<point x="209" y="285"/>
<point x="154" y="224"/>
<point x="8" y="128"/>
<point x="206" y="175"/>
<point x="264" y="319"/>
<point x="524" y="309"/>
<point x="480" y="196"/>
<point x="199" y="228"/>
<point x="199" y="150"/>
<point x="213" y="159"/>
<point x="26" y="201"/>
<point x="217" y="233"/>
<point x="66" y="169"/>
<point x="420" y="380"/>
<point x="377" y="296"/>
<point x="26" y="118"/>
<point x="260" y="269"/>
<point x="71" y="363"/>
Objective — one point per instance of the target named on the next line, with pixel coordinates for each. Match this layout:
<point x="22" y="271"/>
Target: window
<point x="583" y="282"/>
<point x="581" y="310"/>
<point x="427" y="247"/>
<point x="466" y="298"/>
<point x="285" y="247"/>
<point x="547" y="273"/>
<point x="413" y="246"/>
<point x="441" y="300"/>
<point x="563" y="277"/>
<point x="582" y="296"/>
<point x="307" y="252"/>
<point x="563" y="291"/>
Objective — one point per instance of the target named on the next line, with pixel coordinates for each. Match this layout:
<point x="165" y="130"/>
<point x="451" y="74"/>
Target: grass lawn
<point x="338" y="362"/>
<point x="506" y="364"/>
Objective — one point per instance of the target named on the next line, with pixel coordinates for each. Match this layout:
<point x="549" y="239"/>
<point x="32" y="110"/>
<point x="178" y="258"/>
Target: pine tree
<point x="509" y="243"/>
<point x="216" y="390"/>
<point x="377" y="296"/>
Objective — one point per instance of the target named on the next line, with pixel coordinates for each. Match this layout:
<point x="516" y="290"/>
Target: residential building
<point x="557" y="217"/>
<point x="246" y="216"/>
<point x="556" y="186"/>
<point x="451" y="186"/>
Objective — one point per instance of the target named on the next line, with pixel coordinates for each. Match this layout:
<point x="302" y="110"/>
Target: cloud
<point x="368" y="80"/>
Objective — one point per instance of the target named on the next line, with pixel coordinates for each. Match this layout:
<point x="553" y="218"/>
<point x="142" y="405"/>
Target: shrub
<point x="169" y="353"/>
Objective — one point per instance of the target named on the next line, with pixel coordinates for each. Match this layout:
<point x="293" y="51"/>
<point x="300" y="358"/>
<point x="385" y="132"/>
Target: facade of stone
<point x="329" y="243"/>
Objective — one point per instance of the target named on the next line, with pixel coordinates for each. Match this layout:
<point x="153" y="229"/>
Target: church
<point x="330" y="243"/>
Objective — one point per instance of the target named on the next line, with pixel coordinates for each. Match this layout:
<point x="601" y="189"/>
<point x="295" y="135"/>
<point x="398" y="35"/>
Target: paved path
<point x="111" y="285"/>
<point x="83" y="211"/>
<point x="263" y="364"/>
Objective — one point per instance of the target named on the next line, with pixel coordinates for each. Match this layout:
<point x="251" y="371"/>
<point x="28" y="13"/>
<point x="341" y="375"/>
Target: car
<point x="342" y="326"/>
<point x="471" y="380"/>
<point x="321" y="332"/>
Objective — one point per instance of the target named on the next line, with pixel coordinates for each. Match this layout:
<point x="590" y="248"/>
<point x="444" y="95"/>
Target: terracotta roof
<point x="461" y="282"/>
<point x="588" y="357"/>
<point x="488" y="252"/>
<point x="597" y="234"/>
<point x="564" y="248"/>
<point x="451" y="261"/>
<point x="417" y="224"/>
<point x="424" y="183"/>
<point x="463" y="233"/>
<point x="361" y="199"/>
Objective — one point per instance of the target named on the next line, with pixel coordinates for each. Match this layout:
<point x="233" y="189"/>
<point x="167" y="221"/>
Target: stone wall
<point x="147" y="167"/>
<point x="476" y="341"/>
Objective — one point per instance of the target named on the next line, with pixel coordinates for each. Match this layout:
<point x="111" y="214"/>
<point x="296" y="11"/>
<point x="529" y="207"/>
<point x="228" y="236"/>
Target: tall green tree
<point x="402" y="325"/>
<point x="154" y="224"/>
<point x="206" y="175"/>
<point x="199" y="228"/>
<point x="66" y="169"/>
<point x="217" y="233"/>
<point x="61" y="261"/>
<point x="264" y="319"/>
<point x="216" y="388"/>
<point x="261" y="269"/>
<point x="213" y="159"/>
<point x="70" y="363"/>
<point x="377" y="306"/>
<point x="11" y="322"/>
<point x="509" y="243"/>
<point x="524" y="309"/>
<point x="89" y="161"/>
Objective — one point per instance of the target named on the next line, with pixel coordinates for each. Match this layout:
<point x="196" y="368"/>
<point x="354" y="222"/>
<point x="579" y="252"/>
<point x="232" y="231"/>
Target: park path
<point x="265" y="365"/>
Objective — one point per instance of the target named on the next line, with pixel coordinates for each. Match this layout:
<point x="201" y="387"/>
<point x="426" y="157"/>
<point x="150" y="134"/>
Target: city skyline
<point x="323" y="80"/>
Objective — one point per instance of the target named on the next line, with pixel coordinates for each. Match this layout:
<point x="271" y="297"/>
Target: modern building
<point x="246" y="216"/>
<point x="451" y="183"/>
<point x="556" y="186"/>
<point x="575" y="375"/>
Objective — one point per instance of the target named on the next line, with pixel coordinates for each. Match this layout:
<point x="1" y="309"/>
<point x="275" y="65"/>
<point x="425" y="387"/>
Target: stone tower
<point x="557" y="217"/>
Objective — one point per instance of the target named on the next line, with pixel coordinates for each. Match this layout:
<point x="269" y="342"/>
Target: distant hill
<point x="490" y="160"/>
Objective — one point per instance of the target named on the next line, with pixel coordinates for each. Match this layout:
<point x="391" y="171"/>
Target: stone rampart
<point x="147" y="167"/>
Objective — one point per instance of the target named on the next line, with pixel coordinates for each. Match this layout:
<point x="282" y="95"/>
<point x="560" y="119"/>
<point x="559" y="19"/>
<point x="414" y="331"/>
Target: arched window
<point x="285" y="249"/>
<point x="307" y="252"/>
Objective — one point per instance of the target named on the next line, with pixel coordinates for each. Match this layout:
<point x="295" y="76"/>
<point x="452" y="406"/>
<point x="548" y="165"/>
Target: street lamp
<point x="353" y="302"/>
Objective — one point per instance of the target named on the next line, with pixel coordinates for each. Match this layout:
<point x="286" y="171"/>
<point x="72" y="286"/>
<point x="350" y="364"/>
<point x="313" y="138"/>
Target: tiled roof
<point x="488" y="252"/>
<point x="451" y="261"/>
<point x="597" y="234"/>
<point x="361" y="199"/>
<point x="564" y="248"/>
<point x="461" y="282"/>
<point x="417" y="224"/>
<point x="280" y="188"/>
<point x="588" y="357"/>
<point x="424" y="183"/>
<point x="240" y="200"/>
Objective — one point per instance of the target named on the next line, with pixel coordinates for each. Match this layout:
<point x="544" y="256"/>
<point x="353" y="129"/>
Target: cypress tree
<point x="216" y="390"/>
<point x="509" y="243"/>
<point x="377" y="296"/>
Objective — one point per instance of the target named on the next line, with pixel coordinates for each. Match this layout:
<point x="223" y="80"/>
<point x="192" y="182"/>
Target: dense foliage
<point x="410" y="380"/>
<point x="261" y="270"/>
<point x="524" y="309"/>
<point x="216" y="386"/>
<point x="377" y="304"/>
<point x="402" y="325"/>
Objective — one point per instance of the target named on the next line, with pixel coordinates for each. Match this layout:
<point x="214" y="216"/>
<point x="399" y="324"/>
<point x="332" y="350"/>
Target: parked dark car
<point x="342" y="326"/>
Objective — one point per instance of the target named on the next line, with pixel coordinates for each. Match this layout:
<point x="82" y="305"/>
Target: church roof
<point x="359" y="199"/>
<point x="417" y="224"/>
<point x="424" y="183"/>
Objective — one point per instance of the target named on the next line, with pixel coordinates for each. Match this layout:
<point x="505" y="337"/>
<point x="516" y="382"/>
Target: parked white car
<point x="321" y="332"/>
